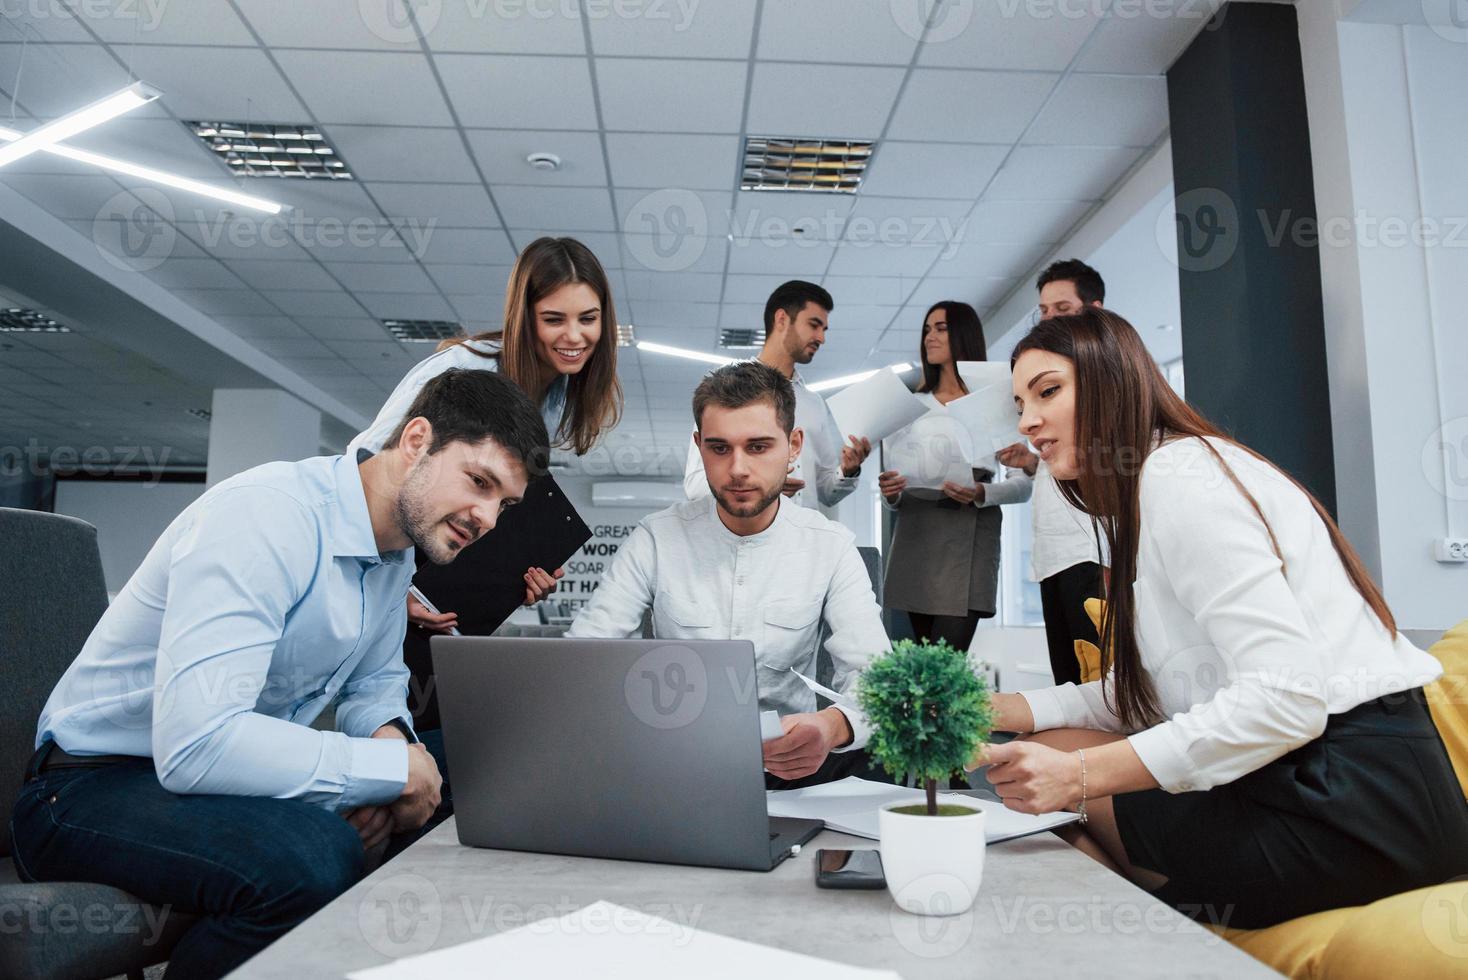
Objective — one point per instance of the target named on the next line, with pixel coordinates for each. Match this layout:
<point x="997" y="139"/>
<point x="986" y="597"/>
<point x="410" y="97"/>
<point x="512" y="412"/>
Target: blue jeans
<point x="252" y="867"/>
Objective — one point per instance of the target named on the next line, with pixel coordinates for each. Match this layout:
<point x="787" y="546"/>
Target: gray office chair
<point x="53" y="595"/>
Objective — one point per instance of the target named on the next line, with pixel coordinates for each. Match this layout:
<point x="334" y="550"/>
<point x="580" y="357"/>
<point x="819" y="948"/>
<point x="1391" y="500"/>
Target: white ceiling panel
<point x="854" y="292"/>
<point x="44" y="23"/>
<point x="570" y="209"/>
<point x="468" y="245"/>
<point x="604" y="245"/>
<point x="1023" y="221"/>
<point x="78" y="196"/>
<point x="880" y="258"/>
<point x="1104" y="110"/>
<point x="753" y="288"/>
<point x="660" y="161"/>
<point x="271" y="274"/>
<point x="786" y="256"/>
<point x="505" y="28"/>
<point x="969" y="106"/>
<point x="57" y="78"/>
<point x="882" y="32"/>
<point x="669" y="95"/>
<point x="449" y="205"/>
<point x="773" y="214"/>
<point x="947" y="170"/>
<point x="665" y="253"/>
<point x="239" y="238"/>
<point x="910" y="220"/>
<point x="407" y="277"/>
<point x="228" y="302"/>
<point x="136" y="244"/>
<point x="1043" y="36"/>
<point x="195" y="274"/>
<point x="408" y="306"/>
<point x="703" y="213"/>
<point x="378" y="25"/>
<point x="831" y="101"/>
<point x="1135" y="40"/>
<point x="477" y="306"/>
<point x="467" y="277"/>
<point x="696" y="287"/>
<point x="359" y="327"/>
<point x="195" y="22"/>
<point x="160" y="143"/>
<point x="519" y="92"/>
<point x="1039" y="173"/>
<point x="501" y="154"/>
<point x="308" y="303"/>
<point x="983" y="260"/>
<point x="216" y="83"/>
<point x="393" y="153"/>
<point x="689" y="28"/>
<point x="367" y="88"/>
<point x="368" y="242"/>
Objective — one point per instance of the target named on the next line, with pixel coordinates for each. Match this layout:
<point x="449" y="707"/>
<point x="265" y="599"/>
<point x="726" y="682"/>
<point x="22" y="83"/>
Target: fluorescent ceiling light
<point x="136" y="95"/>
<point x="156" y="176"/>
<point x="851" y="379"/>
<point x="692" y="355"/>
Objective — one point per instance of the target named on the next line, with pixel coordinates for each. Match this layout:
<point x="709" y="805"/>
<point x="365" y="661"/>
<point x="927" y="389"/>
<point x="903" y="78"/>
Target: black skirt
<point x="1369" y="809"/>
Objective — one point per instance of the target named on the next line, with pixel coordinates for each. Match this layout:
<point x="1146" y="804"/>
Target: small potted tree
<point x="929" y="712"/>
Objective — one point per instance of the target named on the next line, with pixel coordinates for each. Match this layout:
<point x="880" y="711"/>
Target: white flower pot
<point x="933" y="865"/>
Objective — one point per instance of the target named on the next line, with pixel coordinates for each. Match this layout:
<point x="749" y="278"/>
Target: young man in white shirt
<point x="1065" y="555"/>
<point x="744" y="563"/>
<point x="797" y="316"/>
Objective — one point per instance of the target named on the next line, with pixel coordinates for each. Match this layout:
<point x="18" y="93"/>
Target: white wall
<point x="129" y="516"/>
<point x="1388" y="139"/>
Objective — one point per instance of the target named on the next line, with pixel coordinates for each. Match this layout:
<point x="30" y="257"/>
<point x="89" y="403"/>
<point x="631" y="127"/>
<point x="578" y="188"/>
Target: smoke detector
<point x="544" y="161"/>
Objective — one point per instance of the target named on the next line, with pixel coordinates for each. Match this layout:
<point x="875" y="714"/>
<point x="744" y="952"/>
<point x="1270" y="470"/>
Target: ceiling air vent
<point x="16" y="320"/>
<point x="271" y="150"/>
<point x="742" y="339"/>
<point x="423" y="331"/>
<point x="793" y="164"/>
<point x="625" y="336"/>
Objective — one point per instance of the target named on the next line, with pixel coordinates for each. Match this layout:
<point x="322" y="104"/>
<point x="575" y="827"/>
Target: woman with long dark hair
<point x="1258" y="743"/>
<point x="943" y="563"/>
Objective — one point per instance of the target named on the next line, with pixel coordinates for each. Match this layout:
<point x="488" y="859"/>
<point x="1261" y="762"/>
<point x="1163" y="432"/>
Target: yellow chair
<point x="1417" y="935"/>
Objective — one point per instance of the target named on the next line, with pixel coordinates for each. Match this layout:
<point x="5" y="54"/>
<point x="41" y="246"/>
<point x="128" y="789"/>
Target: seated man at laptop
<point x="747" y="564"/>
<point x="175" y="758"/>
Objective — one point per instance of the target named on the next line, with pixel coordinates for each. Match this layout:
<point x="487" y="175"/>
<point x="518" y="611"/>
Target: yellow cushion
<point x="1447" y="699"/>
<point x="1418" y="935"/>
<point x="1087" y="653"/>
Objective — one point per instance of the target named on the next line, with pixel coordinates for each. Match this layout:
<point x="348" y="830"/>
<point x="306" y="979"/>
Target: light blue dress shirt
<point x="263" y="602"/>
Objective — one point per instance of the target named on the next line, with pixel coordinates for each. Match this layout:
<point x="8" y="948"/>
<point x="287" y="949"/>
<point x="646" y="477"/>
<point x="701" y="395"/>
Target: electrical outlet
<point x="1450" y="549"/>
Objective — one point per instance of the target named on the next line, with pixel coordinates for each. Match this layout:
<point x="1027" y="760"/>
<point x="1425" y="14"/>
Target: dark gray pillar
<point x="1252" y="323"/>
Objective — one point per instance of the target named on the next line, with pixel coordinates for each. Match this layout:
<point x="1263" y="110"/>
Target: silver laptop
<point x="647" y="750"/>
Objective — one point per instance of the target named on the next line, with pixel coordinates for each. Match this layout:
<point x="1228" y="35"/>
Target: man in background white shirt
<point x="797" y="315"/>
<point x="743" y="563"/>
<point x="1065" y="556"/>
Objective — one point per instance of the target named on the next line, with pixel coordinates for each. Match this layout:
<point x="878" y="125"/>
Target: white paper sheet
<point x="987" y="411"/>
<point x="611" y="941"/>
<point x="875" y="408"/>
<point x="769" y="725"/>
<point x="934" y="449"/>
<point x="850" y="806"/>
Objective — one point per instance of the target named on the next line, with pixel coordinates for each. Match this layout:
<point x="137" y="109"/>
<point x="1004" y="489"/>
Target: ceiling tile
<point x="362" y="241"/>
<point x="604" y="245"/>
<point x="407" y="306"/>
<point x="241" y="238"/>
<point x="501" y="154"/>
<point x="697" y="287"/>
<point x="569" y="208"/>
<point x="879" y="258"/>
<point x="1023" y="221"/>
<point x="476" y="306"/>
<point x="215" y="83"/>
<point x="858" y="291"/>
<point x="227" y="302"/>
<point x="519" y="92"/>
<point x="664" y="161"/>
<point x="359" y="327"/>
<point x="405" y="277"/>
<point x="792" y="257"/>
<point x="270" y="274"/>
<point x="916" y="220"/>
<point x="691" y="29"/>
<point x="261" y="326"/>
<point x="1072" y="173"/>
<point x="931" y="170"/>
<point x="195" y="22"/>
<point x="785" y="215"/>
<point x="368" y="88"/>
<point x="668" y="95"/>
<point x="195" y="274"/>
<point x="377" y="25"/>
<point x="293" y="348"/>
<point x="76" y="196"/>
<point x="883" y="32"/>
<point x="467" y="277"/>
<point x="836" y="101"/>
<point x="298" y="303"/>
<point x="160" y="143"/>
<point x="57" y="78"/>
<point x="1104" y="110"/>
<point x="753" y="287"/>
<point x="969" y="106"/>
<point x="1043" y="36"/>
<point x="489" y="246"/>
<point x="1138" y="39"/>
<point x="448" y="205"/>
<point x="513" y="27"/>
<point x="669" y="253"/>
<point x="389" y="153"/>
<point x="979" y="260"/>
<point x="703" y="213"/>
<point x="134" y="245"/>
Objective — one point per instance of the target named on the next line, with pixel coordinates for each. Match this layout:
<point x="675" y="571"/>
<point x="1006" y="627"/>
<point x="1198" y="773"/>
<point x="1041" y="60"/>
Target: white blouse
<point x="1249" y="656"/>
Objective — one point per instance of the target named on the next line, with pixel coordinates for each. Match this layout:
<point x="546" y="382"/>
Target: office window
<point x="1018" y="602"/>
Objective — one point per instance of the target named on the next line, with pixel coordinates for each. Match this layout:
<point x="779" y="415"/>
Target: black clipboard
<point x="486" y="582"/>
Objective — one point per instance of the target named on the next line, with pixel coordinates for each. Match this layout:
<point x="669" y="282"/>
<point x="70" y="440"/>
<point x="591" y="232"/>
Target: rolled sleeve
<point x="379" y="771"/>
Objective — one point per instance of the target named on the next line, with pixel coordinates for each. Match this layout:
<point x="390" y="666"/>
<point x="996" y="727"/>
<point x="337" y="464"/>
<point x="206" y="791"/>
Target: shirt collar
<point x="747" y="540"/>
<point x="351" y="524"/>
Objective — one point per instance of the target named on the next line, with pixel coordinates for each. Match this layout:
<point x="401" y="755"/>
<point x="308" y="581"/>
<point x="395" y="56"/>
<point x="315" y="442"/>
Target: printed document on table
<point x="604" y="940"/>
<point x="875" y="408"/>
<point x="987" y="411"/>
<point x="850" y="806"/>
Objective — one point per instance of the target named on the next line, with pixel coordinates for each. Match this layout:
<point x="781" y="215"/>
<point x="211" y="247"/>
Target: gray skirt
<point x="944" y="558"/>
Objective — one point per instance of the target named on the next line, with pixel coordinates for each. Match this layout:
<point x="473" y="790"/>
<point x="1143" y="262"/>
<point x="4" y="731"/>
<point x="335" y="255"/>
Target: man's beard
<point x="746" y="510"/>
<point x="414" y="520"/>
<point x="803" y="354"/>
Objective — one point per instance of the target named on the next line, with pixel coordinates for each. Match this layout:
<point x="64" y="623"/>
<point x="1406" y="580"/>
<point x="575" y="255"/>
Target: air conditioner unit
<point x="637" y="493"/>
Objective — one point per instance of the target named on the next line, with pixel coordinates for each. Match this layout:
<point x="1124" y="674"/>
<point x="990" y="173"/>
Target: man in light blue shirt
<point x="175" y="758"/>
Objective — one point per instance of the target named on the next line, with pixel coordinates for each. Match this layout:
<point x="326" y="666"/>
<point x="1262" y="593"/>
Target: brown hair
<point x="1124" y="409"/>
<point x="593" y="395"/>
<point x="744" y="383"/>
<point x="965" y="341"/>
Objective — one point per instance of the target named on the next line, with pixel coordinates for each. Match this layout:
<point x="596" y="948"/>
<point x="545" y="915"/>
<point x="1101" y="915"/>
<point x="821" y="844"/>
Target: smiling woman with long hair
<point x="1258" y="742"/>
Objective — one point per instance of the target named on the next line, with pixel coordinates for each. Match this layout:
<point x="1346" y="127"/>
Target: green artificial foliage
<point x="929" y="711"/>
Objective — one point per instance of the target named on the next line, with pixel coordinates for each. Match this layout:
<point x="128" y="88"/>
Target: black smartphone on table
<point x="849" y="869"/>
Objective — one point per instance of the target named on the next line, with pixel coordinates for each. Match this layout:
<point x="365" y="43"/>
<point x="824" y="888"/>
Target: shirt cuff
<point x="844" y="482"/>
<point x="860" y="729"/>
<point x="1047" y="707"/>
<point x="378" y="772"/>
<point x="1168" y="764"/>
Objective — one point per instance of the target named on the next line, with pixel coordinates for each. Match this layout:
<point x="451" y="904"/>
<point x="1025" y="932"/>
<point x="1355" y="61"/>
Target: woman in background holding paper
<point x="943" y="563"/>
